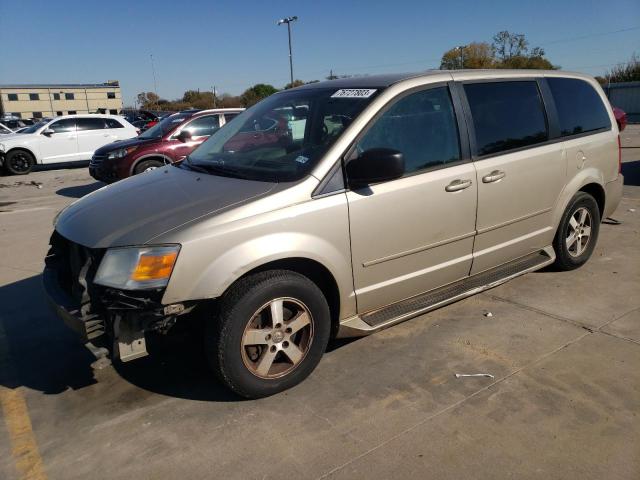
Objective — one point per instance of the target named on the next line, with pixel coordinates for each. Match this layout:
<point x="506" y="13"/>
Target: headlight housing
<point x="137" y="268"/>
<point x="121" y="153"/>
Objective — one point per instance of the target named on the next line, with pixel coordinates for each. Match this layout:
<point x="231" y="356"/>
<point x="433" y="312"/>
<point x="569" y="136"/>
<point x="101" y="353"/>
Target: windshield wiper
<point x="224" y="170"/>
<point x="194" y="167"/>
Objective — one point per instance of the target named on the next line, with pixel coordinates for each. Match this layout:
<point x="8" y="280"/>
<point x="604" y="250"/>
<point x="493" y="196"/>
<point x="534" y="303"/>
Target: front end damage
<point x="103" y="317"/>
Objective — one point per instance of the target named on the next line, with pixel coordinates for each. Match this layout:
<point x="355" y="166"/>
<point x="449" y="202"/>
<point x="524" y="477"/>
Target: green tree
<point x="296" y="83"/>
<point x="148" y="100"/>
<point x="254" y="94"/>
<point x="507" y="45"/>
<point x="627" y="72"/>
<point x="474" y="55"/>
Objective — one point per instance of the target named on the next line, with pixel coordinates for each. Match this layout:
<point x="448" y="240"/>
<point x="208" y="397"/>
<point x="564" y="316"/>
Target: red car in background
<point x="169" y="141"/>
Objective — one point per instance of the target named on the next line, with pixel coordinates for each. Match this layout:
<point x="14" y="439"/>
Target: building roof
<point x="60" y="85"/>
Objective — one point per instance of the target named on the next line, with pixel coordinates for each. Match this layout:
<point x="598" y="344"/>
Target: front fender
<point x="317" y="230"/>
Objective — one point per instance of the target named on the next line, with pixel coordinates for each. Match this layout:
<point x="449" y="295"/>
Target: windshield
<point x="34" y="128"/>
<point x="165" y="126"/>
<point x="283" y="137"/>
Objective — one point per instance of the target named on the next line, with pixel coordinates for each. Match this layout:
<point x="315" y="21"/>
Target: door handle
<point x="494" y="176"/>
<point x="458" y="185"/>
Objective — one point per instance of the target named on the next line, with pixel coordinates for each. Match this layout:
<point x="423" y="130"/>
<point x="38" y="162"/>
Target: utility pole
<point x="213" y="91"/>
<point x="155" y="84"/>
<point x="288" y="21"/>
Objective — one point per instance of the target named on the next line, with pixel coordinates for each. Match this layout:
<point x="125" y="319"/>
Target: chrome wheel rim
<point x="277" y="338"/>
<point x="20" y="162"/>
<point x="579" y="232"/>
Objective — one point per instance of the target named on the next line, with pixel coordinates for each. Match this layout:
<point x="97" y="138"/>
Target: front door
<point x="62" y="144"/>
<point x="520" y="176"/>
<point x="416" y="233"/>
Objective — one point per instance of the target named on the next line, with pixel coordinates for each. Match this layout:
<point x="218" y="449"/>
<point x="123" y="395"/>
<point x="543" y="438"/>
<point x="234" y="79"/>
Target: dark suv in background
<point x="169" y="141"/>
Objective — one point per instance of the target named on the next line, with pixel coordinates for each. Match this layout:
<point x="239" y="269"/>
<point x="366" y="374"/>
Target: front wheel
<point x="147" y="166"/>
<point x="18" y="162"/>
<point x="271" y="330"/>
<point x="577" y="233"/>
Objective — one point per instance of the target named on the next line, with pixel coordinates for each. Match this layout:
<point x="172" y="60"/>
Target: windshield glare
<point x="281" y="138"/>
<point x="164" y="126"/>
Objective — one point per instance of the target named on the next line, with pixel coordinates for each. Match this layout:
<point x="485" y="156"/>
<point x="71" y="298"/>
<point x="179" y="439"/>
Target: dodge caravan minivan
<point x="339" y="209"/>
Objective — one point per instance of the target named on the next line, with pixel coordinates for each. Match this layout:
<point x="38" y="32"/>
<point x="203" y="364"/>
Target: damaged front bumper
<point x="107" y="317"/>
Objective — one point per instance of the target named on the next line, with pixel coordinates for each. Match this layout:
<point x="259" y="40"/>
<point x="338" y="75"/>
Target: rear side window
<point x="506" y="115"/>
<point x="112" y="123"/>
<point x="580" y="108"/>
<point x="90" y="124"/>
<point x="422" y="126"/>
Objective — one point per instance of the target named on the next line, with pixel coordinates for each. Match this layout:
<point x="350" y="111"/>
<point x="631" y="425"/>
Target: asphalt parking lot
<point x="564" y="349"/>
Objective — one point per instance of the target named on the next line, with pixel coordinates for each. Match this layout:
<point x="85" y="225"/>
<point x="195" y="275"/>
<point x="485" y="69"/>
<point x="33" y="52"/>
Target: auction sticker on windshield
<point x="354" y="93"/>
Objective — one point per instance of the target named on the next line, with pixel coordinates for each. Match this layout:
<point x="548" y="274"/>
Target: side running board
<point x="392" y="314"/>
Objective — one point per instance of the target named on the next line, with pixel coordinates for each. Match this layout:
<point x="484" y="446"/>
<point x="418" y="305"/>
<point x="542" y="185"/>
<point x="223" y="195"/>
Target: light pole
<point x="288" y="21"/>
<point x="461" y="51"/>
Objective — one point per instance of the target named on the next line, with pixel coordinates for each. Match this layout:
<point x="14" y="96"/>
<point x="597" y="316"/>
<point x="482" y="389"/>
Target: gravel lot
<point x="564" y="403"/>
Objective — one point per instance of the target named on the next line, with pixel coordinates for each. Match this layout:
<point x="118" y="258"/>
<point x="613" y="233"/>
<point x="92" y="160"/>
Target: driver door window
<point x="63" y="126"/>
<point x="203" y="126"/>
<point x="422" y="126"/>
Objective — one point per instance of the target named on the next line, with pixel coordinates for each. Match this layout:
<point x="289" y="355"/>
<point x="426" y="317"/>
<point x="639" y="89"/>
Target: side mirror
<point x="184" y="136"/>
<point x="48" y="132"/>
<point x="375" y="165"/>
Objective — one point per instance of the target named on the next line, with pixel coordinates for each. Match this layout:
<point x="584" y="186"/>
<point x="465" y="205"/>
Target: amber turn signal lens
<point x="154" y="267"/>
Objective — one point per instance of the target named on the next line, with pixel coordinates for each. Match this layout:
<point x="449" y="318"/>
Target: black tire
<point x="18" y="162"/>
<point x="570" y="258"/>
<point x="147" y="164"/>
<point x="224" y="335"/>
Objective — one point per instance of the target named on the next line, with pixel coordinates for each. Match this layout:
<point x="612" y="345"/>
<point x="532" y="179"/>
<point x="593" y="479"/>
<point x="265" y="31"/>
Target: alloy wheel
<point x="277" y="338"/>
<point x="579" y="232"/>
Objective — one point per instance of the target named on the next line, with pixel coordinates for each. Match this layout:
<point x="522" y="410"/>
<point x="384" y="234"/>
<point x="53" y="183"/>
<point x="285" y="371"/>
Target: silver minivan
<point x="338" y="209"/>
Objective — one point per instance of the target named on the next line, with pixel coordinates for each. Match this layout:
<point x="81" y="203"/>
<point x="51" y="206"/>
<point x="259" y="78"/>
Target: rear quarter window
<point x="112" y="123"/>
<point x="580" y="108"/>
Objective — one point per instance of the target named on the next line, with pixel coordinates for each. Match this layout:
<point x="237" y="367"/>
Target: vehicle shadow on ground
<point x="631" y="172"/>
<point x="80" y="190"/>
<point x="41" y="353"/>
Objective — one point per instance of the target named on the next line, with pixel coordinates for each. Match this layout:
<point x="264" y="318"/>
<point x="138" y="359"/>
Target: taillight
<point x="619" y="155"/>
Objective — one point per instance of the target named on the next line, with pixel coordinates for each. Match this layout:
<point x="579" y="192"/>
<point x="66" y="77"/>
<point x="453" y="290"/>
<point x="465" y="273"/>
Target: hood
<point x="135" y="210"/>
<point x="18" y="137"/>
<point x="130" y="142"/>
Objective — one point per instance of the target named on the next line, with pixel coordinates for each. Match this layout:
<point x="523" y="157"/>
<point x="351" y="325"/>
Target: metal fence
<point x="625" y="96"/>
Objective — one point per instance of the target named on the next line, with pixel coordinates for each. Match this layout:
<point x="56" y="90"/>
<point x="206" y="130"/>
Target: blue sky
<point x="234" y="44"/>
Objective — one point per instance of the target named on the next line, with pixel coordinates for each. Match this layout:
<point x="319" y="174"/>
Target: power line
<point x="582" y="37"/>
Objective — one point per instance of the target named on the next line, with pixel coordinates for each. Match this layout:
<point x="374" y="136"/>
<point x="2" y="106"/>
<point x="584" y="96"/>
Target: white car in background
<point x="68" y="138"/>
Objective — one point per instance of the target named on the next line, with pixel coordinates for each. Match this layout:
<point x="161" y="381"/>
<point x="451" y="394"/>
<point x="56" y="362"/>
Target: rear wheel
<point x="578" y="232"/>
<point x="147" y="166"/>
<point x="271" y="331"/>
<point x="19" y="162"/>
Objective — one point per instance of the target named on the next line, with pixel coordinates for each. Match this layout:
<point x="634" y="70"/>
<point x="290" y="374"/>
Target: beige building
<point x="50" y="100"/>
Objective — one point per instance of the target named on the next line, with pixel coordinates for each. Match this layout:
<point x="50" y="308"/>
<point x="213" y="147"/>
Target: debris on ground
<point x="487" y="375"/>
<point x="612" y="221"/>
<point x="632" y="210"/>
<point x="18" y="184"/>
<point x="488" y="314"/>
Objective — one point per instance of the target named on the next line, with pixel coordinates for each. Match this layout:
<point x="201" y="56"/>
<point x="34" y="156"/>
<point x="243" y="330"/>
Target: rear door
<point x="93" y="134"/>
<point x="415" y="233"/>
<point x="62" y="144"/>
<point x="520" y="173"/>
